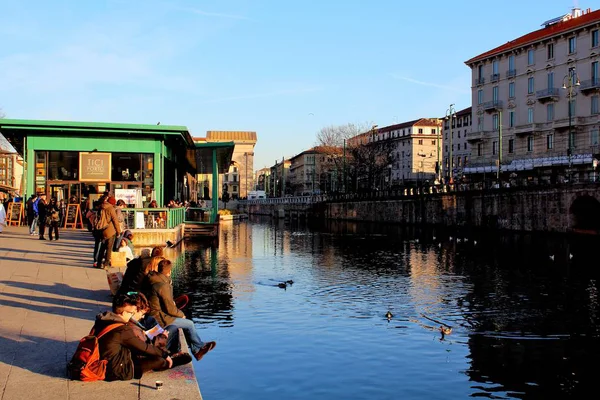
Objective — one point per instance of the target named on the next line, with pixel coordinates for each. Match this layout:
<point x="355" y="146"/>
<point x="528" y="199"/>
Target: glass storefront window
<point x="63" y="165"/>
<point x="147" y="175"/>
<point x="126" y="167"/>
<point x="40" y="172"/>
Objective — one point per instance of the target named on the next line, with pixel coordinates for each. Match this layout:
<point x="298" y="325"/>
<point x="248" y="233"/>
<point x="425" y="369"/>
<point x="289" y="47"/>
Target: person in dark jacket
<point x="53" y="212"/>
<point x="42" y="207"/>
<point x="31" y="214"/>
<point x="136" y="272"/>
<point x="163" y="308"/>
<point x="128" y="357"/>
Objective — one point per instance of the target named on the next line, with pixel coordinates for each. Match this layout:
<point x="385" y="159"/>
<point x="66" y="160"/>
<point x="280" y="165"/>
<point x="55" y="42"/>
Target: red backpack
<point x="86" y="364"/>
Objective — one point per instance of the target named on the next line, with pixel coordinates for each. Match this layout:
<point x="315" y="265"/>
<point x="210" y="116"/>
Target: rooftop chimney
<point x="576" y="12"/>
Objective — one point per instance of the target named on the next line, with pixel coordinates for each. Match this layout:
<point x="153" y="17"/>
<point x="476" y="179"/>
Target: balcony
<point x="479" y="81"/>
<point x="590" y="85"/>
<point x="476" y="136"/>
<point x="494" y="77"/>
<point x="491" y="106"/>
<point x="550" y="94"/>
<point x="526" y="129"/>
<point x="511" y="73"/>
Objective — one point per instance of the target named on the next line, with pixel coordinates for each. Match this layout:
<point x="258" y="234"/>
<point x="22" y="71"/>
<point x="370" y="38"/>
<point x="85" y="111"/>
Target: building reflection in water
<point x="524" y="308"/>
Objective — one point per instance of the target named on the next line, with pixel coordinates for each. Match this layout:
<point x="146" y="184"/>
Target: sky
<point x="282" y="68"/>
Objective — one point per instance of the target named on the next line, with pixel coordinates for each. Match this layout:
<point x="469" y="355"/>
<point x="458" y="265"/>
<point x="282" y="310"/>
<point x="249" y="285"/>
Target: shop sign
<point x="95" y="167"/>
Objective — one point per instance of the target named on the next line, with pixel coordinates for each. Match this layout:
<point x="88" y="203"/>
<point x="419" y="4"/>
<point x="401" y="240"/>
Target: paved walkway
<point x="49" y="297"/>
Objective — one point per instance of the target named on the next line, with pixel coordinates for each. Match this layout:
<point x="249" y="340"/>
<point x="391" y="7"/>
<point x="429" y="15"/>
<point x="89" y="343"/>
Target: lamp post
<point x="570" y="82"/>
<point x="450" y="115"/>
<point x="438" y="172"/>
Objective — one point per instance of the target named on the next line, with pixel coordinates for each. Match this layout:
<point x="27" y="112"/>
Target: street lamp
<point x="570" y="81"/>
<point x="450" y="114"/>
<point x="438" y="169"/>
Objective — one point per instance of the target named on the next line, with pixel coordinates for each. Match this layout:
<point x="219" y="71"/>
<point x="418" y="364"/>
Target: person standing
<point x="42" y="210"/>
<point x="53" y="218"/>
<point x="108" y="224"/>
<point x="2" y="217"/>
<point x="31" y="213"/>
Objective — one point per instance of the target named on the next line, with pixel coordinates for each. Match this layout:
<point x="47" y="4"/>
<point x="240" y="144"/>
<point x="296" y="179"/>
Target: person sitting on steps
<point x="163" y="308"/>
<point x="128" y="357"/>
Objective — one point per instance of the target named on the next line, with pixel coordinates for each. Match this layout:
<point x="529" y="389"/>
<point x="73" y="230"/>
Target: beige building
<point x="414" y="147"/>
<point x="239" y="179"/>
<point x="309" y="172"/>
<point x="455" y="132"/>
<point x="533" y="93"/>
<point x="11" y="175"/>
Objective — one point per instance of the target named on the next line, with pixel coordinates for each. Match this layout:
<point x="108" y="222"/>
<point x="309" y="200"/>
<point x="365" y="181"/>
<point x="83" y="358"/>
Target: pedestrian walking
<point x="53" y="219"/>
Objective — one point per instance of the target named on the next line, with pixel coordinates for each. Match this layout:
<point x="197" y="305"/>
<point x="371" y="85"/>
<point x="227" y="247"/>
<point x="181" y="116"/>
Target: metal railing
<point x="590" y="84"/>
<point x="492" y="105"/>
<point x="479" y="81"/>
<point x="198" y="215"/>
<point x="494" y="77"/>
<point x="153" y="218"/>
<point x="549" y="92"/>
<point x="511" y="73"/>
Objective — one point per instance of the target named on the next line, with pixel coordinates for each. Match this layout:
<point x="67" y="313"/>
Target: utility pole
<point x="573" y="80"/>
<point x="499" y="146"/>
<point x="450" y="115"/>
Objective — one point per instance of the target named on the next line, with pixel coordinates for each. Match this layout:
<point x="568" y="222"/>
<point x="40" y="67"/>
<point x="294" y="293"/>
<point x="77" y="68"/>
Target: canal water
<point x="523" y="310"/>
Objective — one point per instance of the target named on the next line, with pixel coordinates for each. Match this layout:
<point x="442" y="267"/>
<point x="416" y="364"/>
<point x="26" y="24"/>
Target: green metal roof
<point x="15" y="129"/>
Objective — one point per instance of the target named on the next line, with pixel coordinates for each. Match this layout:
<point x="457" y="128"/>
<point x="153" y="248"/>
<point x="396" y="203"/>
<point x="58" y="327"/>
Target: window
<point x="550" y="141"/>
<point x="480" y="96"/>
<point x="458" y="146"/>
<point x="594" y="100"/>
<point x="511" y="63"/>
<point x="530" y="115"/>
<point x="495" y="67"/>
<point x="595" y="38"/>
<point x="529" y="143"/>
<point x="479" y="149"/>
<point x="495" y="92"/>
<point x="446" y="148"/>
<point x="420" y="130"/>
<point x="511" y="146"/>
<point x="433" y="131"/>
<point x="479" y="124"/>
<point x="550" y="80"/>
<point x="459" y="134"/>
<point x="594" y="139"/>
<point x="550" y="50"/>
<point x="530" y="85"/>
<point x="530" y="57"/>
<point x="572" y="45"/>
<point x="511" y="90"/>
<point x="550" y="112"/>
<point x="495" y="121"/>
<point x="433" y="142"/>
<point x="494" y="147"/>
<point x="480" y="71"/>
<point x="420" y="141"/>
<point x="595" y="72"/>
<point x="511" y="119"/>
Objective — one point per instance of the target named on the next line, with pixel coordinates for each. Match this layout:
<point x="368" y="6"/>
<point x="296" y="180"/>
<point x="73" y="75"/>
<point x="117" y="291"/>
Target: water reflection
<point x="523" y="311"/>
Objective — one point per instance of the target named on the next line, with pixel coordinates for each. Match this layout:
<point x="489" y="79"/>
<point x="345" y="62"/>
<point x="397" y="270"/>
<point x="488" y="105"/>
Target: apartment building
<point x="455" y="132"/>
<point x="535" y="106"/>
<point x="310" y="172"/>
<point x="414" y="149"/>
<point x="239" y="178"/>
<point x="279" y="179"/>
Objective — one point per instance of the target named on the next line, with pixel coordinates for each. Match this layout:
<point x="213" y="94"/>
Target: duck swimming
<point x="389" y="315"/>
<point x="282" y="285"/>
<point x="446" y="330"/>
<point x="289" y="282"/>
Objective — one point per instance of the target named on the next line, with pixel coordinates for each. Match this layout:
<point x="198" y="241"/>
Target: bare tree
<point x="354" y="150"/>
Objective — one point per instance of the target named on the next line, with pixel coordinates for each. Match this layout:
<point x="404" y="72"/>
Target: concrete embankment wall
<point x="524" y="210"/>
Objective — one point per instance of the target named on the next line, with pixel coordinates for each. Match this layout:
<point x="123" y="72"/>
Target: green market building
<point x="81" y="160"/>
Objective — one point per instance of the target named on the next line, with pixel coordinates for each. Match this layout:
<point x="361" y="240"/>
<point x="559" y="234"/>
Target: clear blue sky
<point x="282" y="68"/>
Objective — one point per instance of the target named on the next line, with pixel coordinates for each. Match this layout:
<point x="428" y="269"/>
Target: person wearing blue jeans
<point x="164" y="310"/>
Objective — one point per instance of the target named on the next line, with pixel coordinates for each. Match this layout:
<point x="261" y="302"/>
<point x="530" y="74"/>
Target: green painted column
<point x="215" y="187"/>
<point x="30" y="170"/>
<point x="158" y="172"/>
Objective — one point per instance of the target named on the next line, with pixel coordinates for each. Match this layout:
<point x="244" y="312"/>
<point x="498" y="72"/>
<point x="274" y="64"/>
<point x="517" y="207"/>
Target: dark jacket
<point x="160" y="297"/>
<point x="118" y="345"/>
<point x="134" y="276"/>
<point x="114" y="227"/>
